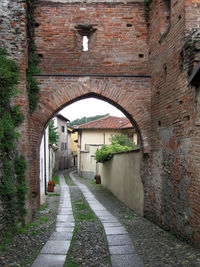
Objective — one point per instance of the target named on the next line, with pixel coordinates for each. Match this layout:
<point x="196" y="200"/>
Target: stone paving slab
<point x="115" y="230"/>
<point x="61" y="236"/>
<point x="123" y="239"/>
<point x="113" y="224"/>
<point x="124" y="249"/>
<point x="65" y="224"/>
<point x="64" y="229"/>
<point x="65" y="218"/>
<point x="56" y="247"/>
<point x="45" y="260"/>
<point x="120" y="245"/>
<point x="102" y="213"/>
<point x="55" y="250"/>
<point x="108" y="219"/>
<point x="131" y="260"/>
<point x="97" y="207"/>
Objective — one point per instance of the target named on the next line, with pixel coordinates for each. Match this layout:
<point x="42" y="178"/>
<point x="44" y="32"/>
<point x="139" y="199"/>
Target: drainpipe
<point x="45" y="165"/>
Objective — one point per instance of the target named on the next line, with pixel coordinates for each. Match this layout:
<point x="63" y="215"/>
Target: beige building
<point x="61" y="155"/>
<point x="94" y="135"/>
<point x="72" y="147"/>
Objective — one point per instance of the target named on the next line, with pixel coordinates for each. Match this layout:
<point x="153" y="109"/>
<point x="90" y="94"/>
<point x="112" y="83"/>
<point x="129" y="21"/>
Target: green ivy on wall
<point x="147" y="9"/>
<point x="33" y="59"/>
<point x="12" y="168"/>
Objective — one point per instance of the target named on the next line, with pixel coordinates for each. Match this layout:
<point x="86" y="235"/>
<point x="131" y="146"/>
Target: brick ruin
<point x="140" y="59"/>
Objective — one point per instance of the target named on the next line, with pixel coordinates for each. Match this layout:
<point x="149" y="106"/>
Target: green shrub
<point x="120" y="143"/>
<point x="106" y="152"/>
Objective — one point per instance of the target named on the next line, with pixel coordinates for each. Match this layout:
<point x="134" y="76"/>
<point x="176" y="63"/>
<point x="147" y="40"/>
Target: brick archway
<point x="129" y="94"/>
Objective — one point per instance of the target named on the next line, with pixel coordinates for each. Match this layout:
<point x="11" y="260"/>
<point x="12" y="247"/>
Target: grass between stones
<point x="82" y="213"/>
<point x="55" y="178"/>
<point x="53" y="195"/>
<point x="69" y="181"/>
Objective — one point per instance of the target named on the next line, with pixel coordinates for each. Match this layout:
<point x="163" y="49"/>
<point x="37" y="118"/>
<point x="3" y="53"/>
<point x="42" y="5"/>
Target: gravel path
<point x="89" y="245"/>
<point x="156" y="247"/>
<point x="22" y="249"/>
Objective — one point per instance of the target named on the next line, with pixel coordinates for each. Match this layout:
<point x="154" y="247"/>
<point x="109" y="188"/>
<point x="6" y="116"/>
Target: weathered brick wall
<point x="13" y="38"/>
<point x="172" y="190"/>
<point x="167" y="117"/>
<point x="117" y="45"/>
<point x="130" y="94"/>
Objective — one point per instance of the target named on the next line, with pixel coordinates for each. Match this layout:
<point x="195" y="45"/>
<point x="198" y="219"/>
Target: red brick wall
<point x="13" y="38"/>
<point x="167" y="115"/>
<point x="118" y="46"/>
<point x="172" y="190"/>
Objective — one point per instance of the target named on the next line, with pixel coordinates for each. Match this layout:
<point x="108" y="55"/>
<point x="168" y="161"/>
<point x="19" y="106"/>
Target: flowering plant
<point x="51" y="182"/>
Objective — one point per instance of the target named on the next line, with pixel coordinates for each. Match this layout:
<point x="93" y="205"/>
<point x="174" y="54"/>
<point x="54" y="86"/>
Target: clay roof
<point x="109" y="122"/>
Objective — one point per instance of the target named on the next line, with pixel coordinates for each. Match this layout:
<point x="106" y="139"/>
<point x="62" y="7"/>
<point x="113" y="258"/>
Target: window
<point x="63" y="129"/>
<point x="85" y="43"/>
<point x="65" y="146"/>
<point x="62" y="146"/>
<point x="84" y="36"/>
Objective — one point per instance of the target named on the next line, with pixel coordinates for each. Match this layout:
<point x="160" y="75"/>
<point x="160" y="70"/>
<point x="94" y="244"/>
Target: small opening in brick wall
<point x="157" y="93"/>
<point x="85" y="43"/>
<point x="180" y="102"/>
<point x="179" y="17"/>
<point x="187" y="118"/>
<point x="37" y="24"/>
<point x="181" y="60"/>
<point x="40" y="55"/>
<point x="129" y="25"/>
<point x="159" y="123"/>
<point x="165" y="68"/>
<point x="168" y="107"/>
<point x="141" y="55"/>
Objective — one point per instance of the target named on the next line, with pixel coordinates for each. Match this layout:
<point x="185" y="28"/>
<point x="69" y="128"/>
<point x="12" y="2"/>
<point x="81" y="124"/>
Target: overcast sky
<point x="89" y="107"/>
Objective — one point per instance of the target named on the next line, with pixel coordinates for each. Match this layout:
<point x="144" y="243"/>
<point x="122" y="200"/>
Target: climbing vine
<point x="33" y="59"/>
<point x="190" y="50"/>
<point x="147" y="9"/>
<point x="12" y="168"/>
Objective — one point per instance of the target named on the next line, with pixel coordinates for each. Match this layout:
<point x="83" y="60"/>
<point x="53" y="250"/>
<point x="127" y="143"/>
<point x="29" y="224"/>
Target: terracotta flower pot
<point x="98" y="180"/>
<point x="50" y="188"/>
<point x="97" y="177"/>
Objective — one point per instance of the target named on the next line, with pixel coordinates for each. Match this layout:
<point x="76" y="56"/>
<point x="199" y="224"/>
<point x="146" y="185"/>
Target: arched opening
<point x="92" y="136"/>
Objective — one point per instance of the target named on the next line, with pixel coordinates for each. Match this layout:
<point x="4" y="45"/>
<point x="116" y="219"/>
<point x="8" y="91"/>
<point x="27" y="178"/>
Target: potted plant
<point x="97" y="177"/>
<point x="51" y="185"/>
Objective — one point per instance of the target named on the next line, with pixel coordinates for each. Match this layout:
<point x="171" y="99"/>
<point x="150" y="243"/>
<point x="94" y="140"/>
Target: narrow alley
<point x="132" y="240"/>
<point x="83" y="224"/>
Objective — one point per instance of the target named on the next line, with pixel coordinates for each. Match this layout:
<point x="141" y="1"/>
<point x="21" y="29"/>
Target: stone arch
<point x="129" y="94"/>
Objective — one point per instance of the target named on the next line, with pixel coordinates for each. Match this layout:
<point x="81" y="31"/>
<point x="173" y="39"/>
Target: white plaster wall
<point x="97" y="137"/>
<point x="121" y="175"/>
<point x="44" y="146"/>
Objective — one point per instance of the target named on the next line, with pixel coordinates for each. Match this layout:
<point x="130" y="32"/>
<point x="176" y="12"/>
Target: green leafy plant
<point x="53" y="133"/>
<point x="33" y="59"/>
<point x="120" y="143"/>
<point x="147" y="9"/>
<point x="122" y="140"/>
<point x="44" y="219"/>
<point x="12" y="183"/>
<point x="43" y="207"/>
